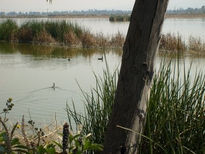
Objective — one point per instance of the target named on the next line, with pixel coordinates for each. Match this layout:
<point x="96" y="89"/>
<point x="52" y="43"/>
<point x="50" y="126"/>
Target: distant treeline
<point x="64" y="13"/>
<point x="188" y="11"/>
<point x="98" y="12"/>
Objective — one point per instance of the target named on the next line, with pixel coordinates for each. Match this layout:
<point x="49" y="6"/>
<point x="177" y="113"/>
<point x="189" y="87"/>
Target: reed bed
<point x="172" y="43"/>
<point x="196" y="44"/>
<point x="98" y="107"/>
<point x="176" y="112"/>
<point x="67" y="34"/>
<point x="175" y="115"/>
<point x="72" y="35"/>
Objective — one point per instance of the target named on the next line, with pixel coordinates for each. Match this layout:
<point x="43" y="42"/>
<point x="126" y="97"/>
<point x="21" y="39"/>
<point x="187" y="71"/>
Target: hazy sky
<point x="64" y="5"/>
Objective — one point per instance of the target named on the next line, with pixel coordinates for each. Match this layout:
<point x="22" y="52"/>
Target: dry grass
<point x="196" y="44"/>
<point x="25" y="34"/>
<point x="171" y="42"/>
<point x="43" y="37"/>
<point x="71" y="39"/>
<point x="117" y="40"/>
<point x="87" y="40"/>
<point x="101" y="41"/>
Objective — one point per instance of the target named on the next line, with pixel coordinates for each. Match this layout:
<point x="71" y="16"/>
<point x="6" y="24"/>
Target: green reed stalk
<point x="176" y="113"/>
<point x="98" y="107"/>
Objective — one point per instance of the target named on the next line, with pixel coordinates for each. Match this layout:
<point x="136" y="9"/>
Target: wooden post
<point x="135" y="76"/>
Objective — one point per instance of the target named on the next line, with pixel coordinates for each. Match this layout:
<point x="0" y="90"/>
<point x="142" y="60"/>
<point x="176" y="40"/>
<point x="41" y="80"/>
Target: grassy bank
<point x="62" y="33"/>
<point x="175" y="115"/>
<point x="72" y="35"/>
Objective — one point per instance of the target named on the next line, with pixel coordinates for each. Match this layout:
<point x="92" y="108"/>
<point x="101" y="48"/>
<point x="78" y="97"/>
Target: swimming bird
<point x="69" y="59"/>
<point x="53" y="86"/>
<point x="100" y="58"/>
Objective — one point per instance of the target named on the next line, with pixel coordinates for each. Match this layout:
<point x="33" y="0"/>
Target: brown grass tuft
<point x="43" y="37"/>
<point x="101" y="40"/>
<point x="117" y="40"/>
<point x="195" y="44"/>
<point x="170" y="42"/>
<point x="70" y="38"/>
<point x="88" y="40"/>
<point x="25" y="35"/>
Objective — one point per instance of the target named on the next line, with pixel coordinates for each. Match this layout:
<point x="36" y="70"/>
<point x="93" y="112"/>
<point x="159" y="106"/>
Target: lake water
<point x="28" y="71"/>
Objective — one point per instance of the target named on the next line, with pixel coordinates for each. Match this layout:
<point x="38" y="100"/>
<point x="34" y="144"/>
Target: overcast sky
<point x="66" y="5"/>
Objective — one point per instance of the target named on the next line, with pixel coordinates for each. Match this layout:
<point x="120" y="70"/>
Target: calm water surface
<point x="27" y="72"/>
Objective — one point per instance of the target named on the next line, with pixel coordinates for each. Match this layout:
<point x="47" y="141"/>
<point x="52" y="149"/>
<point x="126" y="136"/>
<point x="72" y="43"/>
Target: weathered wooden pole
<point x="135" y="76"/>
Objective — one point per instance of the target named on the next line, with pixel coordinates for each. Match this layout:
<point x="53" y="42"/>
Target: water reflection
<point x="53" y="51"/>
<point x="28" y="72"/>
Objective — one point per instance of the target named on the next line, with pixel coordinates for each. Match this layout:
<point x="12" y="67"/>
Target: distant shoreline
<point x="185" y="16"/>
<point x="104" y="16"/>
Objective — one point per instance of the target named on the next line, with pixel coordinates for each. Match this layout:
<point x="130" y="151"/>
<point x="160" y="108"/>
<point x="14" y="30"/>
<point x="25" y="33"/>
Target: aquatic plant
<point x="196" y="44"/>
<point x="8" y="31"/>
<point x="70" y="34"/>
<point x="98" y="107"/>
<point x="176" y="112"/>
<point x="117" y="40"/>
<point x="101" y="40"/>
<point x="71" y="39"/>
<point x="172" y="43"/>
<point x="87" y="40"/>
<point x="43" y="37"/>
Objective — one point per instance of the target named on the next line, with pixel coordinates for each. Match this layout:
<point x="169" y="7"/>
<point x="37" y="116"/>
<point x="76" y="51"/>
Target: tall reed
<point x="176" y="112"/>
<point x="98" y="107"/>
<point x="170" y="42"/>
<point x="196" y="44"/>
<point x="175" y="115"/>
<point x="8" y="31"/>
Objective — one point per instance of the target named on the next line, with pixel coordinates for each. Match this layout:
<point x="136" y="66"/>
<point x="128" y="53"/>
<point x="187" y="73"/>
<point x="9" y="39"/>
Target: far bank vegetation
<point x="72" y="35"/>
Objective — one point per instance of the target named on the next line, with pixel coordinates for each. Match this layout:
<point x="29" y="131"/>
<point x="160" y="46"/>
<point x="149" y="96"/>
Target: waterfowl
<point x="100" y="58"/>
<point x="53" y="86"/>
